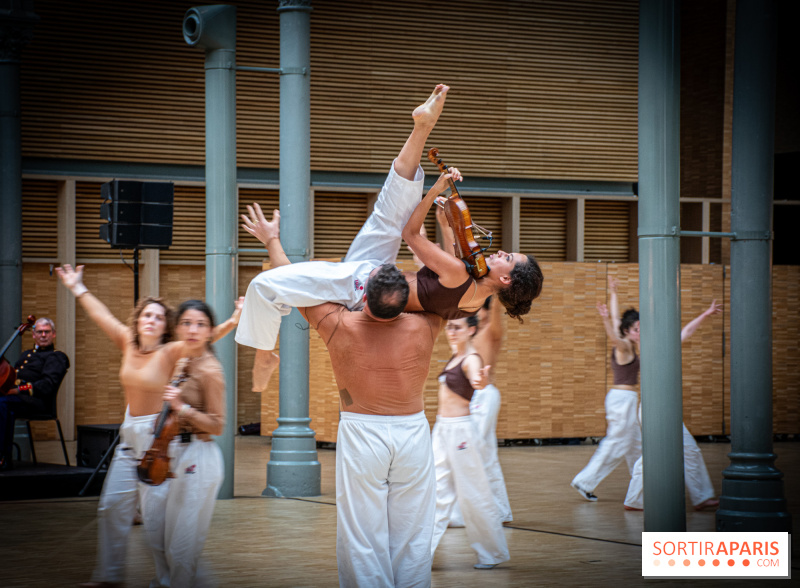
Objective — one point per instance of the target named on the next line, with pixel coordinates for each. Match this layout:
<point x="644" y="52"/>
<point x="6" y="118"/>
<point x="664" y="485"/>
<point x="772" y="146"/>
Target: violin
<point x="154" y="467"/>
<point x="8" y="374"/>
<point x="457" y="213"/>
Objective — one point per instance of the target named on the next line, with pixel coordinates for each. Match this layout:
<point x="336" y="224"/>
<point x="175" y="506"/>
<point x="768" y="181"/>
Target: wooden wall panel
<point x="543" y="229"/>
<point x="40" y="218"/>
<point x="607" y="231"/>
<point x="338" y="218"/>
<point x="544" y="89"/>
<point x="786" y="348"/>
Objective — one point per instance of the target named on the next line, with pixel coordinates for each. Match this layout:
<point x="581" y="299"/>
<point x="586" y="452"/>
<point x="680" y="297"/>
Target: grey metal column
<point x="752" y="487"/>
<point x="293" y="469"/>
<point x="16" y="29"/>
<point x="213" y="28"/>
<point x="659" y="264"/>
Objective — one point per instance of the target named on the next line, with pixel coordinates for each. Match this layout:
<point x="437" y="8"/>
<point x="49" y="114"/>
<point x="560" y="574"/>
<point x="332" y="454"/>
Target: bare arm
<point x="224" y="328"/>
<point x="447" y="231"/>
<point x="613" y="304"/>
<point x="608" y="324"/>
<point x="691" y="327"/>
<point x="451" y="270"/>
<point x="477" y="375"/>
<point x="97" y="311"/>
<point x="496" y="323"/>
<point x="268" y="232"/>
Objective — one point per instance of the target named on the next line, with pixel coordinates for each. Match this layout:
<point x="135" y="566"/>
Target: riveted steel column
<point x="16" y="29"/>
<point x="659" y="264"/>
<point x="752" y="487"/>
<point x="213" y="29"/>
<point x="293" y="469"/>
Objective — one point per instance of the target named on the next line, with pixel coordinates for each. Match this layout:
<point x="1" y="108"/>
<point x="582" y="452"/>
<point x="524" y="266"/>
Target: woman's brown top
<point x="204" y="391"/>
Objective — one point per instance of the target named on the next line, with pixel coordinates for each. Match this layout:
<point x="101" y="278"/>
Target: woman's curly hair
<point x="169" y="315"/>
<point x="525" y="286"/>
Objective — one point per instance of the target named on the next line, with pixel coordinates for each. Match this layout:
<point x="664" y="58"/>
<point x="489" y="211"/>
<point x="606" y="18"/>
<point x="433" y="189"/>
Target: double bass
<point x="154" y="467"/>
<point x="8" y="374"/>
<point x="457" y="213"/>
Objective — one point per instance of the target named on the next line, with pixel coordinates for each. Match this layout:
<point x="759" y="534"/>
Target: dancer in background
<point x="623" y="438"/>
<point x="695" y="472"/>
<point x="457" y="452"/>
<point x="485" y="404"/>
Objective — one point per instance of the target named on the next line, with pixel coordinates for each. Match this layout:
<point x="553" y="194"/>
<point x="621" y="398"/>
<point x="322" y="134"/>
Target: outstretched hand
<point x="612" y="284"/>
<point x="713" y="309"/>
<point x="172" y="394"/>
<point x="257" y="225"/>
<point x="602" y="310"/>
<point x="482" y="379"/>
<point x="72" y="278"/>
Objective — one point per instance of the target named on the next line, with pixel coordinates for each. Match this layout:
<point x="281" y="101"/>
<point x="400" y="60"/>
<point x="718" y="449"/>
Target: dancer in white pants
<point x="148" y="361"/>
<point x="457" y="451"/>
<point x="695" y="472"/>
<point x="384" y="464"/>
<point x="623" y="438"/>
<point x="177" y="514"/>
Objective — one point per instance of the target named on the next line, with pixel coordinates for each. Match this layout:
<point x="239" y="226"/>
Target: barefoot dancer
<point x="623" y="438"/>
<point x="695" y="472"/>
<point x="272" y="294"/>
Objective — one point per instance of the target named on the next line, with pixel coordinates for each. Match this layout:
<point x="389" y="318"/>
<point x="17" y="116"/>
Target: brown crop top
<point x="456" y="380"/>
<point x="439" y="299"/>
<point x="628" y="374"/>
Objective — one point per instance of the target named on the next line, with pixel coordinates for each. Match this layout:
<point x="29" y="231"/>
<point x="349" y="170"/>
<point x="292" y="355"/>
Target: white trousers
<point x="177" y="514"/>
<point x="695" y="474"/>
<point x="272" y="294"/>
<point x="484" y="408"/>
<point x="623" y="440"/>
<point x="461" y="477"/>
<point x="119" y="497"/>
<point x="385" y="500"/>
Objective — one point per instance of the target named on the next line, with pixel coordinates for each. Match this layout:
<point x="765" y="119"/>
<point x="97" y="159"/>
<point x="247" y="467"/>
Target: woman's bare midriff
<point x="626" y="387"/>
<point x="451" y="404"/>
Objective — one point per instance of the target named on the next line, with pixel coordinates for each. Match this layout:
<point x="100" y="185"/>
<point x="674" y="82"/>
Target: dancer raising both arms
<point x="695" y="472"/>
<point x="457" y="452"/>
<point x="623" y="438"/>
<point x="148" y="362"/>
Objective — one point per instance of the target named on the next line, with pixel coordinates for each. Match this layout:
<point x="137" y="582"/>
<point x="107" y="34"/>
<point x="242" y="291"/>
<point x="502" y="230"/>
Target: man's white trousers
<point x="623" y="440"/>
<point x="461" y="477"/>
<point x="273" y="293"/>
<point x="385" y="500"/>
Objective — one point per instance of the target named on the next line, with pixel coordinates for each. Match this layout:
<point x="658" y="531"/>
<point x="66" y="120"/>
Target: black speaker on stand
<point x="138" y="215"/>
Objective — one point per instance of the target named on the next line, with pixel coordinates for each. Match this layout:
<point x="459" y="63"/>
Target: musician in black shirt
<point x="39" y="374"/>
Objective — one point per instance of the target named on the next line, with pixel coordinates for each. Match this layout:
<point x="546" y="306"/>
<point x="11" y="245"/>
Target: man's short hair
<point x="387" y="292"/>
<point x="44" y="319"/>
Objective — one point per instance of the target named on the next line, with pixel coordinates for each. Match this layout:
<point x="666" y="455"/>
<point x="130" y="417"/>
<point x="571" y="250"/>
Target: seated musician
<point x="39" y="374"/>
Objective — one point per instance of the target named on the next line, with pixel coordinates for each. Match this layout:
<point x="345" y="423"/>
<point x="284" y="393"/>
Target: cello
<point x="154" y="468"/>
<point x="457" y="213"/>
<point x="8" y="374"/>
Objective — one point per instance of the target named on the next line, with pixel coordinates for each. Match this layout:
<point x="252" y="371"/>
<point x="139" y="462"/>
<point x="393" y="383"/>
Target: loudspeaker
<point x="93" y="442"/>
<point x="137" y="214"/>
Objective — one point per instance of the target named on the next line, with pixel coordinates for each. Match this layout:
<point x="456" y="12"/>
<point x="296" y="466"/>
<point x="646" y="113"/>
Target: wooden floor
<point x="557" y="538"/>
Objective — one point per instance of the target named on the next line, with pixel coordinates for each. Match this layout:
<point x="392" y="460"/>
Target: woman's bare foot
<point x="263" y="366"/>
<point x="428" y="113"/>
